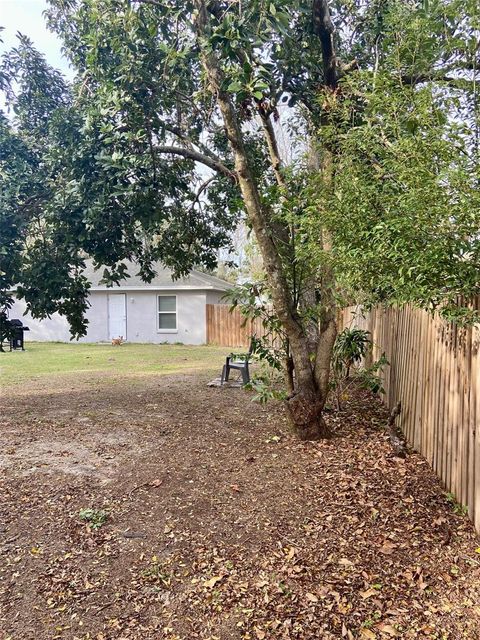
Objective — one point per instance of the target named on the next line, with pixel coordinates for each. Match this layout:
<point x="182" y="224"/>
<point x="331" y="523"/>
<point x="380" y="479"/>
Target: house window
<point x="167" y="313"/>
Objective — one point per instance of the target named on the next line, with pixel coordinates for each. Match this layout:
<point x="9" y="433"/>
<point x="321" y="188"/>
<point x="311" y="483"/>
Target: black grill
<point x="16" y="329"/>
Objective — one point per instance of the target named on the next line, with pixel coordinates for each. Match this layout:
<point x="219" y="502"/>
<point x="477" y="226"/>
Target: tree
<point x="30" y="248"/>
<point x="173" y="134"/>
<point x="405" y="218"/>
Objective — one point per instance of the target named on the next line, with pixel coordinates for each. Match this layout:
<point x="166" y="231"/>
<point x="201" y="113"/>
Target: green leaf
<point x="235" y="86"/>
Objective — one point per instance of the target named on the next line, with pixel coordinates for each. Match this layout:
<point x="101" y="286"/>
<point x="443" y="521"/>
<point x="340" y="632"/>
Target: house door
<point x="117" y="315"/>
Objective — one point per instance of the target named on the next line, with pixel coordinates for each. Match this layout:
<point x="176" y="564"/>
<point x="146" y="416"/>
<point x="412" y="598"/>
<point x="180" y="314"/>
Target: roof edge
<point x="158" y="288"/>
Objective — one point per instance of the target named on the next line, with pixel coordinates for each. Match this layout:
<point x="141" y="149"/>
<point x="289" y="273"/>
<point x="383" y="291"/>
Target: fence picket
<point x="435" y="372"/>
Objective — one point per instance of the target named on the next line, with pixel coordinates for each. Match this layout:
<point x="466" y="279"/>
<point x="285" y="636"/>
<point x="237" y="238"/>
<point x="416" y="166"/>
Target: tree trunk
<point x="305" y="405"/>
<point x="305" y="412"/>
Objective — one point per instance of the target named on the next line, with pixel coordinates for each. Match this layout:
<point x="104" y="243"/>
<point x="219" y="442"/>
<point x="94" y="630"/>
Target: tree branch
<point x="323" y="27"/>
<point x="201" y="189"/>
<point x="327" y="327"/>
<point x="154" y="3"/>
<point x="281" y="230"/>
<point x="439" y="76"/>
<point x="176" y="131"/>
<point x="215" y="165"/>
<point x="275" y="159"/>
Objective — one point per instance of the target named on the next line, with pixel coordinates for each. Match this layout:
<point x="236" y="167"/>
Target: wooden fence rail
<point x="434" y="371"/>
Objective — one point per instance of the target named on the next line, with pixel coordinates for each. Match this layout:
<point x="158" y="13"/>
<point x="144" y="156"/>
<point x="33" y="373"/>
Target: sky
<point x="26" y="16"/>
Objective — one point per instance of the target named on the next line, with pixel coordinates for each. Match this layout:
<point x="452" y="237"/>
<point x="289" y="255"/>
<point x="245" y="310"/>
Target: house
<point x="163" y="310"/>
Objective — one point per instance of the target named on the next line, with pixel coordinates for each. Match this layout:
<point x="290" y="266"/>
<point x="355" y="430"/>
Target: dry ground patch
<point x="219" y="525"/>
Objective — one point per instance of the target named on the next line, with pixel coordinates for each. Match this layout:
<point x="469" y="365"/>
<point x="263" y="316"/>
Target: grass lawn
<point x="42" y="360"/>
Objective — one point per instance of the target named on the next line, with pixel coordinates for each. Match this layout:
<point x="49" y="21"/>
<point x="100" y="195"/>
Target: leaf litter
<point x="217" y="531"/>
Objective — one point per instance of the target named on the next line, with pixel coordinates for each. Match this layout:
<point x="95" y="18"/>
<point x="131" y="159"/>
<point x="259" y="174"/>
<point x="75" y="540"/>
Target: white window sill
<point x="167" y="330"/>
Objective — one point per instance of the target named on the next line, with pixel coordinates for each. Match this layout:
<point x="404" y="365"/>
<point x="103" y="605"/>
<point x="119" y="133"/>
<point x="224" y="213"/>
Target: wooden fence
<point x="227" y="329"/>
<point x="434" y="371"/>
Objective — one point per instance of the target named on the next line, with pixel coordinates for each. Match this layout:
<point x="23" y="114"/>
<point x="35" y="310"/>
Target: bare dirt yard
<point x="208" y="519"/>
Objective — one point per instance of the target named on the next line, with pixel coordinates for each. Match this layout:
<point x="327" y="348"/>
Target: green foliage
<point x="253" y="301"/>
<point x="457" y="508"/>
<point x="404" y="210"/>
<point x="96" y="518"/>
<point x="267" y="386"/>
<point x="34" y="252"/>
<point x="80" y="173"/>
<point x="350" y="347"/>
<point x="369" y="378"/>
<point x="156" y="573"/>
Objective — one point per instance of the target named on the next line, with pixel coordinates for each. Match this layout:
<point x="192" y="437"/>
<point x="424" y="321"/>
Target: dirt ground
<point x="220" y="525"/>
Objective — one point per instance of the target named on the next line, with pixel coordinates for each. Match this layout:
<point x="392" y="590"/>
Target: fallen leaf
<point x="388" y="629"/>
<point x="311" y="597"/>
<point x="368" y="593"/>
<point x="261" y="583"/>
<point x="345" y="562"/>
<point x="291" y="552"/>
<point x="422" y="584"/>
<point x="212" y="582"/>
<point x="388" y="548"/>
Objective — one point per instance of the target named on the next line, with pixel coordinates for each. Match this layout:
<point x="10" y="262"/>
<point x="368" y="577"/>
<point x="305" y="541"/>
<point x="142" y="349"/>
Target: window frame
<point x="159" y="313"/>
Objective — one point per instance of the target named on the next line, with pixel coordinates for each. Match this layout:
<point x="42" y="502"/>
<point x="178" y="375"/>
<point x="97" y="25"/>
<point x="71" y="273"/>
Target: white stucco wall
<point x="97" y="316"/>
<point x="142" y="318"/>
<point x="215" y="297"/>
<point x="54" y="329"/>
